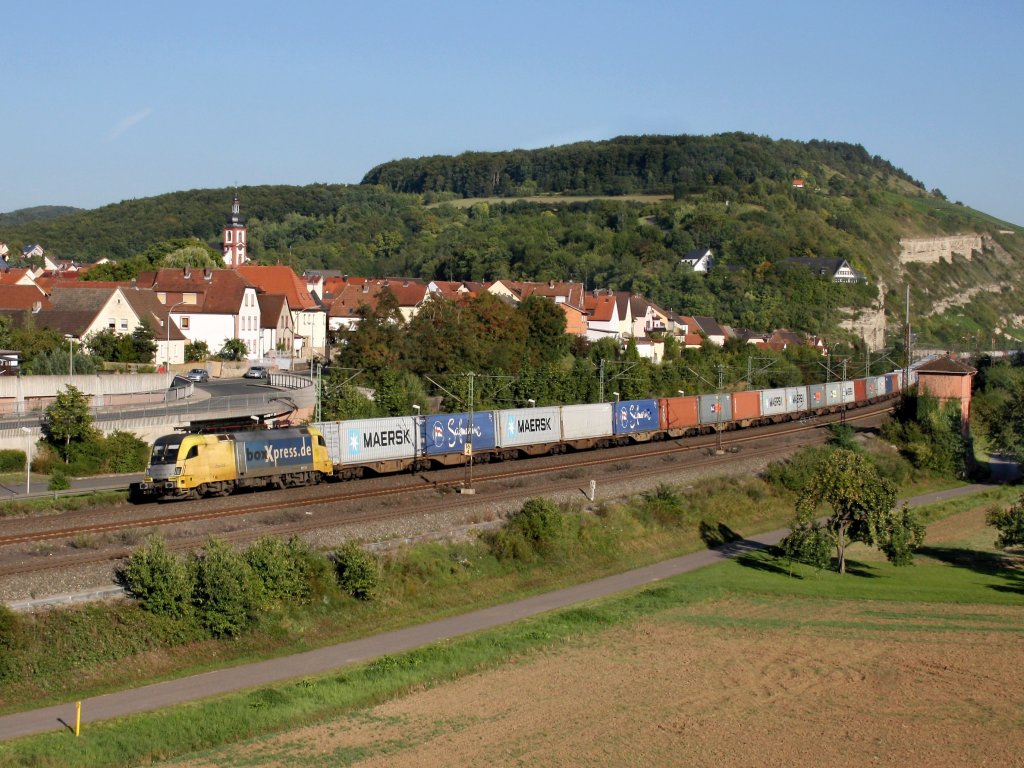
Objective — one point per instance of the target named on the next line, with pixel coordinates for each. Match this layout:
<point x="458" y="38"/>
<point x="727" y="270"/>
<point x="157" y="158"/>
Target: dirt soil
<point x="786" y="682"/>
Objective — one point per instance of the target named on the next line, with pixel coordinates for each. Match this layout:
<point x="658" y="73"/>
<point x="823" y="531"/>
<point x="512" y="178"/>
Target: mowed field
<point x="749" y="664"/>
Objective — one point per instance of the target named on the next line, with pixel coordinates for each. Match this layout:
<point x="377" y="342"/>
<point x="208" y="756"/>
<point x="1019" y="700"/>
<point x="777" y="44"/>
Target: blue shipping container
<point x="263" y="450"/>
<point x="635" y="416"/>
<point x="449" y="432"/>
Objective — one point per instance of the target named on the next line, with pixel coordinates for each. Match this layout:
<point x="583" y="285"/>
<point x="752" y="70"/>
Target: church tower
<point x="234" y="237"/>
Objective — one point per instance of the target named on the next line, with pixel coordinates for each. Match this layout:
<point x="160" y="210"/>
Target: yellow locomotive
<point x="187" y="466"/>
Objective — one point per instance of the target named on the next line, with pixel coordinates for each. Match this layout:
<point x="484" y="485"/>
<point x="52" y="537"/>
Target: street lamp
<point x="28" y="460"/>
<point x="167" y="349"/>
<point x="416" y="409"/>
<point x="531" y="402"/>
<point x="616" y="396"/>
<point x="71" y="353"/>
<point x="682" y="393"/>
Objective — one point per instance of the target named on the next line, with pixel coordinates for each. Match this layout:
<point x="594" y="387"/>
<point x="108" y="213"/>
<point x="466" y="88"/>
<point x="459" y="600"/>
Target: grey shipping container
<point x="528" y="426"/>
<point x="834" y="393"/>
<point x="816" y="396"/>
<point x="715" y="408"/>
<point x="368" y="440"/>
<point x="582" y="422"/>
<point x="796" y="399"/>
<point x="773" y="402"/>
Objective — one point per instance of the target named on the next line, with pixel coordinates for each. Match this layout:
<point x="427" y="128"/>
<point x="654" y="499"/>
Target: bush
<point x="228" y="596"/>
<point x="58" y="479"/>
<point x="284" y="569"/>
<point x="357" y="570"/>
<point x="796" y="473"/>
<point x="12" y="460"/>
<point x="10" y="640"/>
<point x="159" y="580"/>
<point x="123" y="452"/>
<point x="664" y="504"/>
<point x="536" y="529"/>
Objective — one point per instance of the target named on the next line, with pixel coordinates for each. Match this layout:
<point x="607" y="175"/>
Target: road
<point x="323" y="660"/>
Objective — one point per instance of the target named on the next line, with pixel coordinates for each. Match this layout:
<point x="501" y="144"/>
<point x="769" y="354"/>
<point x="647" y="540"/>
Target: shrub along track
<point x="401" y="496"/>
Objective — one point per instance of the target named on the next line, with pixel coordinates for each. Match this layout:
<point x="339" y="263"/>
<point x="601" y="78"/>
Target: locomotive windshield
<point x="165" y="449"/>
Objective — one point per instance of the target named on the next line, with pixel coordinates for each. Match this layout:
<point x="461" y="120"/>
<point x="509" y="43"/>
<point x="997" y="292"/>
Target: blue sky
<point x="112" y="100"/>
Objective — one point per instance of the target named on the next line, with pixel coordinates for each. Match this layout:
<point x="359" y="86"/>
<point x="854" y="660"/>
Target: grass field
<point x="746" y="662"/>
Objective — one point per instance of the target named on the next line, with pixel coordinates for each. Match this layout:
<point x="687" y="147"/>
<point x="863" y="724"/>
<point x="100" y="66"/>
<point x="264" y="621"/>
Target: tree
<point x="861" y="509"/>
<point x="546" y="340"/>
<point x="234" y="349"/>
<point x="196" y="350"/>
<point x="143" y="343"/>
<point x="68" y="420"/>
<point x="1010" y="524"/>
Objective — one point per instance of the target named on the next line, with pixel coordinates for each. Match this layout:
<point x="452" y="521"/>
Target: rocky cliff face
<point x="930" y="249"/>
<point x="870" y="323"/>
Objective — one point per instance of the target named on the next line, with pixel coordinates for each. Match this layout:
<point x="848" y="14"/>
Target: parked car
<point x="257" y="372"/>
<point x="198" y="374"/>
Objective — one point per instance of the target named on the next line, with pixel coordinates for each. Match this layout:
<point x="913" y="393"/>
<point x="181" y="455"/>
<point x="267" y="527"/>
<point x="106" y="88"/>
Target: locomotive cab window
<point x="192" y="452"/>
<point x="165" y="449"/>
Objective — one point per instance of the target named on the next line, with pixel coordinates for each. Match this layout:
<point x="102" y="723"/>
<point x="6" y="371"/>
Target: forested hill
<point x="732" y="193"/>
<point x="39" y="213"/>
<point x="641" y="164"/>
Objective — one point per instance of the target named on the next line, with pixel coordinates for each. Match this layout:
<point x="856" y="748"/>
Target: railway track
<point x="486" y="476"/>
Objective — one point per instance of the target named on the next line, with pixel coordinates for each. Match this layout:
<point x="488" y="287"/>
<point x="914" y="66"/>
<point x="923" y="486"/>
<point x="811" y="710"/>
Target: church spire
<point x="235" y="236"/>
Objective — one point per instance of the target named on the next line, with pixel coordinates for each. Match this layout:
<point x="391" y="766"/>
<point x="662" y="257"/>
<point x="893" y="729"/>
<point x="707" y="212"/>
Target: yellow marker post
<point x="78" y="718"/>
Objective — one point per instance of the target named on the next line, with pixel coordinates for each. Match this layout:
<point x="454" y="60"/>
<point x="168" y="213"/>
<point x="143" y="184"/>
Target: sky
<point x="110" y="100"/>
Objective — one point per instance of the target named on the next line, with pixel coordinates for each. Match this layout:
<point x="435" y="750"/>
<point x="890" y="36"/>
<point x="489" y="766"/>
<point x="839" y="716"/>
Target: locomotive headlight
<point x="177" y="470"/>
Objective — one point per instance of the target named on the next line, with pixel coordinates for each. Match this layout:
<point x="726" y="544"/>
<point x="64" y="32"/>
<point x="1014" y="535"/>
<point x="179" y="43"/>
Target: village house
<point x="309" y="320"/>
<point x="837" y="270"/>
<point x="213" y="306"/>
<point x="699" y="260"/>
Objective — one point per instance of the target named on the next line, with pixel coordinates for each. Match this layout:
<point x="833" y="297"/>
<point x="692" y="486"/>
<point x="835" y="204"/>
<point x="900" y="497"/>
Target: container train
<point x="194" y="465"/>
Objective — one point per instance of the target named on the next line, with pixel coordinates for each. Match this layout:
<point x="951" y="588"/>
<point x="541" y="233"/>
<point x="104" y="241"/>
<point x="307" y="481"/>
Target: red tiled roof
<point x="599" y="308"/>
<point x="17" y="297"/>
<point x="282" y="280"/>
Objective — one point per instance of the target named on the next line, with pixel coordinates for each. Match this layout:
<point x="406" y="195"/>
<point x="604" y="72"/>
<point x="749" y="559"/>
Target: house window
<point x="124" y="325"/>
<point x="111" y="323"/>
<point x="183" y="322"/>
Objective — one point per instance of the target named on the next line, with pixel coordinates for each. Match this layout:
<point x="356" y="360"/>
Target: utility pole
<point x="842" y="395"/>
<point x="468" y="487"/>
<point x="906" y="345"/>
<point x="718" y="408"/>
<point x="600" y="397"/>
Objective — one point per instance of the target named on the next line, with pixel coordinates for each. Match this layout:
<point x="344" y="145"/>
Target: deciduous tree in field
<point x="1010" y="524"/>
<point x="860" y="507"/>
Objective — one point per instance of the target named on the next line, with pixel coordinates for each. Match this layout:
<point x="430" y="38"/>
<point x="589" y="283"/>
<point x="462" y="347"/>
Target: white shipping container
<point x="528" y="426"/>
<point x="580" y="422"/>
<point x="368" y="440"/>
<point x="773" y="402"/>
<point x="849" y="393"/>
